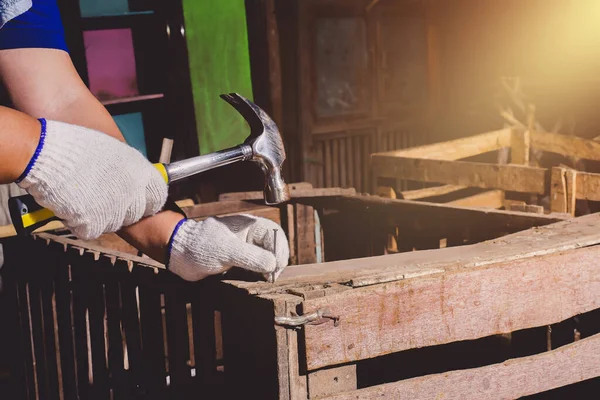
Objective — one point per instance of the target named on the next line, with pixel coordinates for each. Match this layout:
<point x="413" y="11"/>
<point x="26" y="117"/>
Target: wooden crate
<point x="450" y="163"/>
<point x="96" y="322"/>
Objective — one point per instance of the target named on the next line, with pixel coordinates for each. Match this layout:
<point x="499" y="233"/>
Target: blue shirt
<point x="38" y="27"/>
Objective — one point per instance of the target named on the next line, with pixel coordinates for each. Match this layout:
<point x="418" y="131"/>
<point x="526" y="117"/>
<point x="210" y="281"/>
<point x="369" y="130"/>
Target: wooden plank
<point x="488" y="199"/>
<point x="520" y="146"/>
<point x="335" y="148"/>
<point x="429" y="192"/>
<point x="516" y="178"/>
<point x="328" y="166"/>
<point x="587" y="186"/>
<point x="294" y="193"/>
<point x="332" y="380"/>
<point x="570" y="234"/>
<point x="465" y="304"/>
<point x="350" y="161"/>
<point x="305" y="234"/>
<point x="343" y="163"/>
<point x="366" y="173"/>
<point x="220" y="208"/>
<point x="457" y="149"/>
<point x="566" y="145"/>
<point x="357" y="164"/>
<point x="512" y="379"/>
<point x="563" y="190"/>
<point x="204" y="334"/>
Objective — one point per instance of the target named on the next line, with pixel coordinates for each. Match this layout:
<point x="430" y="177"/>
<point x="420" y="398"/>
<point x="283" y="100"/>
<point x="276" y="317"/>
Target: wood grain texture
<point x="429" y="192"/>
<point x="332" y="380"/>
<point x="517" y="178"/>
<point x="587" y="186"/>
<point x="563" y="188"/>
<point x="520" y="146"/>
<point x="566" y="145"/>
<point x="459" y="148"/>
<point x="511" y="379"/>
<point x="488" y="199"/>
<point x="464" y="304"/>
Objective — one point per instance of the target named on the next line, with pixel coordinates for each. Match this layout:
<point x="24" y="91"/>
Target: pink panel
<point x="111" y="63"/>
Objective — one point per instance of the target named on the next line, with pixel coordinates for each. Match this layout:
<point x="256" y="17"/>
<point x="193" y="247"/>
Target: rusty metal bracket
<point x="318" y="317"/>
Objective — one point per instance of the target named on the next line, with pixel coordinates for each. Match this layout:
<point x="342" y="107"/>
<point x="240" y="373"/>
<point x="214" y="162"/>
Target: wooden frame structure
<point x="96" y="321"/>
<point x="448" y="163"/>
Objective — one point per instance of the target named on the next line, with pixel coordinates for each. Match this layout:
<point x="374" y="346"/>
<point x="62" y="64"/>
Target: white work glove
<point x="202" y="248"/>
<point x="92" y="181"/>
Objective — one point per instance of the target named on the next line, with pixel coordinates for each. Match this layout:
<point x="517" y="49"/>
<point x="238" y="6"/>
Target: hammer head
<point x="267" y="146"/>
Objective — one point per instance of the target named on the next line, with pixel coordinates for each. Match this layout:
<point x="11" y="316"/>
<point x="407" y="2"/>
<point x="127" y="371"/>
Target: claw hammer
<point x="263" y="146"/>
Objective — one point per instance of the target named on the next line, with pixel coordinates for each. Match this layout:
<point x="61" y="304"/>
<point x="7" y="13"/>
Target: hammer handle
<point x="27" y="215"/>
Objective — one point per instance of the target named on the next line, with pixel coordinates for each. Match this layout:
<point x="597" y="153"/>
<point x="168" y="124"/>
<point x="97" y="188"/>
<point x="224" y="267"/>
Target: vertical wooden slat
<point x="79" y="308"/>
<point x="343" y="163"/>
<point x="321" y="166"/>
<point x="366" y="163"/>
<point x="177" y="335"/>
<point x="113" y="324"/>
<point x="335" y="161"/>
<point x="350" y="162"/>
<point x="328" y="166"/>
<point x="64" y="321"/>
<point x="357" y="164"/>
<point x="44" y="270"/>
<point x="305" y="234"/>
<point x="131" y="323"/>
<point x="151" y="328"/>
<point x="203" y="325"/>
<point x="30" y="361"/>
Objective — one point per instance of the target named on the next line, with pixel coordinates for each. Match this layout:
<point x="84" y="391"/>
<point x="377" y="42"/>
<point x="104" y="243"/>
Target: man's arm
<point x="44" y="83"/>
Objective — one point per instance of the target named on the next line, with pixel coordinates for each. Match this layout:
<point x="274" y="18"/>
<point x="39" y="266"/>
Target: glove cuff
<point x="36" y="154"/>
<point x="170" y="254"/>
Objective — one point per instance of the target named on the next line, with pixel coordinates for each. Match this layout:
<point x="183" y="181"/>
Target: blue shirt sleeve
<point x="38" y="27"/>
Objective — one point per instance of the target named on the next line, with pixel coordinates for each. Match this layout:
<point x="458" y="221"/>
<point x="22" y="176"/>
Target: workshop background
<point x="342" y="78"/>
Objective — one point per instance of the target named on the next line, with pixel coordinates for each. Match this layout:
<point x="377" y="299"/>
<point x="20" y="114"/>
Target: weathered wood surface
<point x="222" y="208"/>
<point x="459" y="148"/>
<point x="460" y="304"/>
<point x="511" y="379"/>
<point x="520" y="146"/>
<point x="563" y="190"/>
<point x="571" y="234"/>
<point x="332" y="380"/>
<point x="587" y="186"/>
<point x="429" y="192"/>
<point x="428" y="217"/>
<point x="517" y="178"/>
<point x="566" y="145"/>
<point x="295" y="193"/>
<point x="487" y="199"/>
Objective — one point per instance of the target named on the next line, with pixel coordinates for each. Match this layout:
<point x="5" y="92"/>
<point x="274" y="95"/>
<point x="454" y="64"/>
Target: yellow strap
<point x="36" y="216"/>
<point x="163" y="171"/>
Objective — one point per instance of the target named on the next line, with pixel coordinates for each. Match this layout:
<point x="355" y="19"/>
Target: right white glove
<point x="201" y="248"/>
<point x="92" y="181"/>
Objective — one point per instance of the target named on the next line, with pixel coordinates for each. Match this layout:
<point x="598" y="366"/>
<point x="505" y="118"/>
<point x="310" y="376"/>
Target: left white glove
<point x="202" y="248"/>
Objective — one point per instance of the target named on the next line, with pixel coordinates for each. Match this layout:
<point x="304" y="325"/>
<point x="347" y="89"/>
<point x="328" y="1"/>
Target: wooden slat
<point x="29" y="362"/>
<point x="459" y="148"/>
<point x="587" y="186"/>
<point x="350" y="162"/>
<point x="321" y="166"/>
<point x="429" y="192"/>
<point x="328" y="165"/>
<point x="153" y="343"/>
<point x="205" y="342"/>
<point x="357" y="164"/>
<point x="305" y="234"/>
<point x="511" y="379"/>
<point x="295" y="194"/>
<point x="343" y="163"/>
<point x="520" y="146"/>
<point x="466" y="304"/>
<point x="177" y="336"/>
<point x="567" y="146"/>
<point x="366" y="164"/>
<point x="488" y="199"/>
<point x="335" y="160"/>
<point x="80" y="332"/>
<point x="221" y="207"/>
<point x="515" y="178"/>
<point x="563" y="190"/>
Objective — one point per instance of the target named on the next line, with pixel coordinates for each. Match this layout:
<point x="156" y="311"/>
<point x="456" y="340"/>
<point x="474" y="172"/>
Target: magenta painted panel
<point x="111" y="63"/>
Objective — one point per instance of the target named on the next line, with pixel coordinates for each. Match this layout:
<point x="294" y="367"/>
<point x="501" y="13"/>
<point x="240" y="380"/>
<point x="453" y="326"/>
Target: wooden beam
<point x="488" y="199"/>
<point x="516" y="178"/>
<point x="567" y="146"/>
<point x="459" y="148"/>
<point x="427" y="217"/>
<point x="295" y="193"/>
<point x="563" y="189"/>
<point x="429" y="192"/>
<point x="587" y="186"/>
<point x="520" y="145"/>
<point x="512" y="379"/>
<point x="460" y="304"/>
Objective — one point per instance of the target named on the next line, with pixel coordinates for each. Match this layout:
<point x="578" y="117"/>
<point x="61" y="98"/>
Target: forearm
<point x="19" y="137"/>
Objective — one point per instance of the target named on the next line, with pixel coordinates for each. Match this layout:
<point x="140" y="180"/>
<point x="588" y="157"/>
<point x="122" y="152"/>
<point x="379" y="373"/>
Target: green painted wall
<point x="217" y="42"/>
